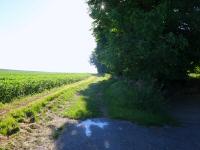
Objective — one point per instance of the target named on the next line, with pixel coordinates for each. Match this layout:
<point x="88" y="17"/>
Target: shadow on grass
<point x="115" y="99"/>
<point x="89" y="101"/>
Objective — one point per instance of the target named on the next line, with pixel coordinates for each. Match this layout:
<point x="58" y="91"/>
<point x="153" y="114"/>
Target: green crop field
<point x="14" y="84"/>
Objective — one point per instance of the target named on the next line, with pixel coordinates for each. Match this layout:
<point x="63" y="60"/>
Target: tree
<point x="136" y="38"/>
<point x="100" y="67"/>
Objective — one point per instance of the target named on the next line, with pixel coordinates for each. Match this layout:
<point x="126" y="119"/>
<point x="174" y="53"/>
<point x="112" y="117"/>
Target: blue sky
<point x="45" y="35"/>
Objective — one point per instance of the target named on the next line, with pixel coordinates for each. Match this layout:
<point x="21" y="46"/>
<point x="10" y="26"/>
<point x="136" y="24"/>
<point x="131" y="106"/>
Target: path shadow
<point x="184" y="101"/>
<point x="94" y="100"/>
<point x="125" y="135"/>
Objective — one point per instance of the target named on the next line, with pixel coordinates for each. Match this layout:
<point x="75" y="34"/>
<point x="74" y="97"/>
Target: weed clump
<point x="8" y="126"/>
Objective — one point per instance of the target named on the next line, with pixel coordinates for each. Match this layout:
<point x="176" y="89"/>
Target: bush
<point x="148" y="97"/>
<point x="136" y="101"/>
<point x="142" y="95"/>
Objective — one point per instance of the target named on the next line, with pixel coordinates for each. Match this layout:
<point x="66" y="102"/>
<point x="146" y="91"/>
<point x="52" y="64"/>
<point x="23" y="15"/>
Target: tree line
<point x="150" y="39"/>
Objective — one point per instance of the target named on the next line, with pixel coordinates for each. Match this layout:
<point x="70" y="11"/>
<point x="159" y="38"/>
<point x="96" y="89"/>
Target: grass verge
<point x="145" y="105"/>
<point x="83" y="104"/>
<point x="9" y="123"/>
<point x="142" y="105"/>
<point x="84" y="99"/>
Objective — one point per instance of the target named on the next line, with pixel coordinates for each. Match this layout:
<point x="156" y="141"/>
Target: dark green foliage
<point x="141" y="96"/>
<point x="140" y="102"/>
<point x="139" y="37"/>
<point x="143" y="105"/>
<point x="101" y="68"/>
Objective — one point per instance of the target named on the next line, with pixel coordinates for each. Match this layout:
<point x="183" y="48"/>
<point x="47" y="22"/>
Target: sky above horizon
<point x="46" y="35"/>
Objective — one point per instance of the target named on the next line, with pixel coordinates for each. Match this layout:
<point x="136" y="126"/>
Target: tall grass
<point x="141" y="103"/>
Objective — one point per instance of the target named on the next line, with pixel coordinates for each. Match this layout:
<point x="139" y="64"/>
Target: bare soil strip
<point x="34" y="135"/>
<point x="49" y="125"/>
<point x="26" y="101"/>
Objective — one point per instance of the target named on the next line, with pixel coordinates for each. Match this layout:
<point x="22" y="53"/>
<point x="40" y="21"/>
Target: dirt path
<point x="49" y="125"/>
<point x="26" y="101"/>
<point x="37" y="136"/>
<point x="108" y="134"/>
<point x="123" y="135"/>
<point x="40" y="135"/>
<point x="186" y="109"/>
<point x="103" y="133"/>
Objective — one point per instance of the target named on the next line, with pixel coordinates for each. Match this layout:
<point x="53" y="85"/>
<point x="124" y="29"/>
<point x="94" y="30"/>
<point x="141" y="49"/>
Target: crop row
<point x="14" y="85"/>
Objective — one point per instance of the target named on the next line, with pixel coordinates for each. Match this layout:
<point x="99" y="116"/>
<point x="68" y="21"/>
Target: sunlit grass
<point x="195" y="75"/>
<point x="9" y="122"/>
